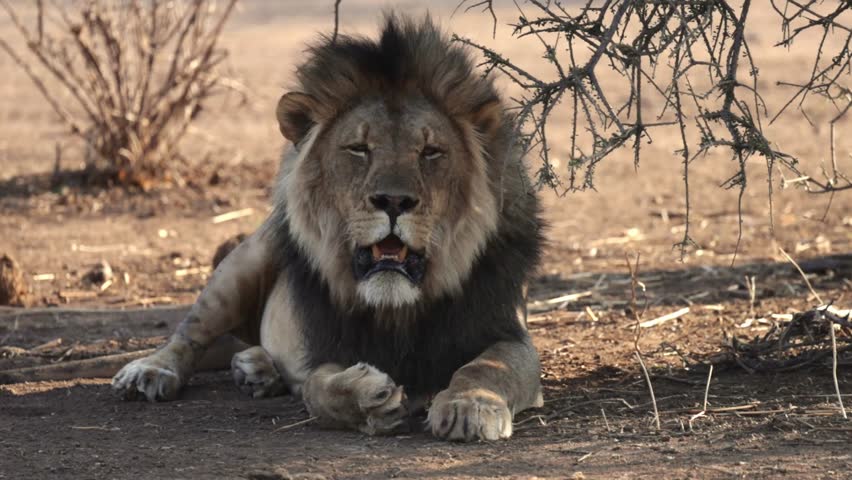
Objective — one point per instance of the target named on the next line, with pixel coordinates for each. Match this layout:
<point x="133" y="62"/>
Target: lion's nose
<point x="394" y="205"/>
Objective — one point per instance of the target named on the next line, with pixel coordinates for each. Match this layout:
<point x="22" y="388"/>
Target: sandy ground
<point x="597" y="421"/>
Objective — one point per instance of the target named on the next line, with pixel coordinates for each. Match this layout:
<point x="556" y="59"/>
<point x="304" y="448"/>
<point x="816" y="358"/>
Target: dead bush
<point x="138" y="72"/>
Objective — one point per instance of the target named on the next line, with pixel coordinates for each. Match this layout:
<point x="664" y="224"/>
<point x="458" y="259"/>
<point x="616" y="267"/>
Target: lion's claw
<point x="255" y="373"/>
<point x="361" y="397"/>
<point x="470" y="415"/>
<point x="145" y="378"/>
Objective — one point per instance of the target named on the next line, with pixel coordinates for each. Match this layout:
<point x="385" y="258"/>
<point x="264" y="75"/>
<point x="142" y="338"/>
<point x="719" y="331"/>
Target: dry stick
<point x="633" y="281"/>
<point x="7" y="313"/>
<point x="568" y="297"/>
<point x="831" y="329"/>
<point x="707" y="389"/>
<point x="225" y="217"/>
<point x="834" y="369"/>
<point x="105" y="366"/>
<point x="294" y="425"/>
<point x="752" y="294"/>
<point x="336" y="20"/>
<point x="665" y="318"/>
<point x="57" y="165"/>
<point x="591" y="313"/>
<point x="650" y="388"/>
<point x="703" y="411"/>
<point x="802" y="273"/>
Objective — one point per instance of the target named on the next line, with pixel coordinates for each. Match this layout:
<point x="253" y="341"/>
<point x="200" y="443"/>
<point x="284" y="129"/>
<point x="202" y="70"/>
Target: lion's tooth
<point x="377" y="253"/>
<point x="403" y="253"/>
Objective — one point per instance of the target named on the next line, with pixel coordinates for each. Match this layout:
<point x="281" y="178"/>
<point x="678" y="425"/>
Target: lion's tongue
<point x="391" y="248"/>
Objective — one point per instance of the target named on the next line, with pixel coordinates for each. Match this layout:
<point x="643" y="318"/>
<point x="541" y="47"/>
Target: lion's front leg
<point x="236" y="292"/>
<point x="484" y="395"/>
<point x="158" y="376"/>
<point x="359" y="397"/>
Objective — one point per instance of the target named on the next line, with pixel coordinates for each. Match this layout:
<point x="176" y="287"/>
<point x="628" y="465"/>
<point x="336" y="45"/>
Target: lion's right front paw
<point x="147" y="378"/>
<point x="255" y="373"/>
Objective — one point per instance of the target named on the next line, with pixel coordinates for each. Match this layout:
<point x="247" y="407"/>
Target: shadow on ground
<point x="698" y="284"/>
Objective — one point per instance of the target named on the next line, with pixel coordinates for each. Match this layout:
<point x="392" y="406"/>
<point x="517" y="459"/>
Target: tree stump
<point x="13" y="288"/>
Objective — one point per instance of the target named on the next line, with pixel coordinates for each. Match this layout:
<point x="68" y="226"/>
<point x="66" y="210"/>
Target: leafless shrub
<point x="667" y="49"/>
<point x="137" y="71"/>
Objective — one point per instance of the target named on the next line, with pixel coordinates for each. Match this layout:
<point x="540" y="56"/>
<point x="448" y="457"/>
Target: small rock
<point x="13" y="289"/>
<point x="100" y="273"/>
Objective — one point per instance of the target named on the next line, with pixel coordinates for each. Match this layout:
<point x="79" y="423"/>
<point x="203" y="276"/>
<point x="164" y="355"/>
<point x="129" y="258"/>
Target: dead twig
<point x="703" y="411"/>
<point x="830" y="328"/>
<point x="665" y="318"/>
<point x="336" y="20"/>
<point x="294" y="425"/>
<point x="227" y="217"/>
<point x="105" y="366"/>
<point x="834" y="371"/>
<point x="798" y="340"/>
<point x="634" y="272"/>
<point x="804" y="277"/>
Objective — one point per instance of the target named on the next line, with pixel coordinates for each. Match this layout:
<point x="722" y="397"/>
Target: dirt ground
<point x="598" y="419"/>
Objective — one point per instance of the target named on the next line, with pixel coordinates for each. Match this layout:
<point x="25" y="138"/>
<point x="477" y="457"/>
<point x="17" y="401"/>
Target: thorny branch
<point x="336" y="20"/>
<point x="710" y="90"/>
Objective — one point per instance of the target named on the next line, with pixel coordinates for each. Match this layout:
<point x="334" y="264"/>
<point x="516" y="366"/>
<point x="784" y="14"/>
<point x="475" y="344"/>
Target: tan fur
<point x="324" y="192"/>
<point x="452" y="223"/>
<point x="256" y="374"/>
<point x="485" y="394"/>
<point x="280" y="336"/>
<point x="359" y="397"/>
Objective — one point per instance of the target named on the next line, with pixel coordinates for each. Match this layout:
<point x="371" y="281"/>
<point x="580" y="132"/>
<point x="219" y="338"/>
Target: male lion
<point x="391" y="272"/>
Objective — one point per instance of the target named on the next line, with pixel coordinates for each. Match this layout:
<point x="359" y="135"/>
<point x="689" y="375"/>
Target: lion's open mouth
<point x="389" y="254"/>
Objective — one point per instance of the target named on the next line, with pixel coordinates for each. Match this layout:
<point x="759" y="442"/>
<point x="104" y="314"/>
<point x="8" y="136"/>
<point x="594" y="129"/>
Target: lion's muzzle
<point x="389" y="255"/>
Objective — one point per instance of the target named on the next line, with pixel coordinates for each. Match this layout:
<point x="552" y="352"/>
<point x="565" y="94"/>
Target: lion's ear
<point x="487" y="117"/>
<point x="297" y="113"/>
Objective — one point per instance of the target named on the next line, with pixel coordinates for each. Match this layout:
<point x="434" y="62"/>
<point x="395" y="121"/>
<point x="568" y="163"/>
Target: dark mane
<point x="408" y="57"/>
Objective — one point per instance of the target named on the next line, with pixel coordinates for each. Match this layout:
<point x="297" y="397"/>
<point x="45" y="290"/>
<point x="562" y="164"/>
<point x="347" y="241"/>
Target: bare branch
<point x="336" y="20"/>
<point x="634" y="38"/>
<point x="138" y="71"/>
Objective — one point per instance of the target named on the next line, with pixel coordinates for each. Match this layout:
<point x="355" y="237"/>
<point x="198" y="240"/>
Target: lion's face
<point x="391" y="200"/>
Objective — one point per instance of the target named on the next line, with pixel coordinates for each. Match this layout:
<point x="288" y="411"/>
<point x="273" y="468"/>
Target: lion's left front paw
<point x="360" y="397"/>
<point x="470" y="415"/>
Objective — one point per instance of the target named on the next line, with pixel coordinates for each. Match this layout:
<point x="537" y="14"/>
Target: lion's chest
<point x="422" y="356"/>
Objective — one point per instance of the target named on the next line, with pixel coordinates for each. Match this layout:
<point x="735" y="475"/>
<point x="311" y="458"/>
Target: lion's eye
<point x="359" y="150"/>
<point x="431" y="153"/>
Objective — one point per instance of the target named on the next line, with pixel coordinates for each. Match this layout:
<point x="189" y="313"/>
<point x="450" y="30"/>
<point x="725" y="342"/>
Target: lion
<point x="390" y="276"/>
